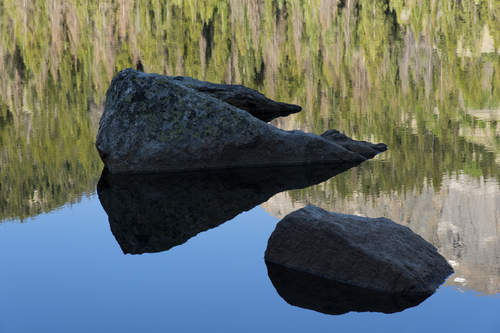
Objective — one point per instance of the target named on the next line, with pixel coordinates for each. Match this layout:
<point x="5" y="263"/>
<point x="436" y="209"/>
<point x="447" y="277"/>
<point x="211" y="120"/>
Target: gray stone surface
<point x="377" y="254"/>
<point x="153" y="123"/>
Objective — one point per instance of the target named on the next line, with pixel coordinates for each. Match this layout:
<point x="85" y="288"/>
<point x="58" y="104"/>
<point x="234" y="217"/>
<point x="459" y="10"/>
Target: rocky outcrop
<point x="376" y="254"/>
<point x="153" y="123"/>
<point x="155" y="212"/>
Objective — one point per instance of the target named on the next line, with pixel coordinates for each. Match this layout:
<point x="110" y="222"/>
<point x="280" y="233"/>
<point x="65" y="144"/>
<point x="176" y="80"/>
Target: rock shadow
<point x="314" y="292"/>
<point x="155" y="212"/>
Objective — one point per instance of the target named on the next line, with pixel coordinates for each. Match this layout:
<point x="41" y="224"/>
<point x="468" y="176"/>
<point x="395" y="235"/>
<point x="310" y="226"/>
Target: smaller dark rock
<point x="376" y="254"/>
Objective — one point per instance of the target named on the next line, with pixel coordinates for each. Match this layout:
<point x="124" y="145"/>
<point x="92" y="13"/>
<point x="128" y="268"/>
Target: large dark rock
<point x="155" y="212"/>
<point x="153" y="123"/>
<point x="376" y="254"/>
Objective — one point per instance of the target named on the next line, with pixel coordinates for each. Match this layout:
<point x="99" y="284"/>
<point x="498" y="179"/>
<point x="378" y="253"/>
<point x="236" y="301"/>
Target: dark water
<point x="421" y="77"/>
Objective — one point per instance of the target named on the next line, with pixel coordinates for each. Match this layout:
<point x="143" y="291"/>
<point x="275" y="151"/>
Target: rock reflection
<point x="323" y="295"/>
<point x="153" y="213"/>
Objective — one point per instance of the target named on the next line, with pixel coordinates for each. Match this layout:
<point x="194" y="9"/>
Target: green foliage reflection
<point x="416" y="75"/>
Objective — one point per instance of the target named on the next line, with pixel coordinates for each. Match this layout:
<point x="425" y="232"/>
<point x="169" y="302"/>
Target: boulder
<point x="376" y="254"/>
<point x="153" y="123"/>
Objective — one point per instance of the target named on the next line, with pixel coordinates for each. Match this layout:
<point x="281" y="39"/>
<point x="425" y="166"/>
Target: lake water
<point x="421" y="77"/>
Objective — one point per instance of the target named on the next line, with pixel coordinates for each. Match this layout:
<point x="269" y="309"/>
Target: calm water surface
<point x="64" y="272"/>
<point x="421" y="77"/>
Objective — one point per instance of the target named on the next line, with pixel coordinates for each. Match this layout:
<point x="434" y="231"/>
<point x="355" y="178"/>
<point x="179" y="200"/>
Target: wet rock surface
<point x="155" y="212"/>
<point x="375" y="254"/>
<point x="153" y="123"/>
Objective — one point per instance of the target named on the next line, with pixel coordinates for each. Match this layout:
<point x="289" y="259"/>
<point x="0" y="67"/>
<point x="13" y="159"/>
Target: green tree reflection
<point x="415" y="75"/>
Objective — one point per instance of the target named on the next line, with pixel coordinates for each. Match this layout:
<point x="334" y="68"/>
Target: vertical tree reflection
<point x="413" y="74"/>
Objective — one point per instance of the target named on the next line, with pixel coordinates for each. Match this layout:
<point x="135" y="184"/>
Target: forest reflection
<point x="420" y="76"/>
